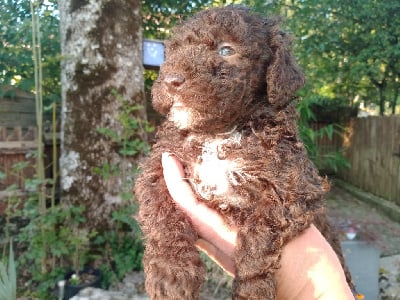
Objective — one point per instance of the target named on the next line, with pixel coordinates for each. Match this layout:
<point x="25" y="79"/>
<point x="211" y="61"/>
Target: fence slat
<point x="371" y="146"/>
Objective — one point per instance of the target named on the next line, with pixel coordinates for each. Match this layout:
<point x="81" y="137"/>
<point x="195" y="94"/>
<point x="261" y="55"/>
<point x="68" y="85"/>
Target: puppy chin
<point x="180" y="117"/>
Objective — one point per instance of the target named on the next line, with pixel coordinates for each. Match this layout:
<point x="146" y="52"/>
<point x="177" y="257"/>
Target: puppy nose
<point x="174" y="80"/>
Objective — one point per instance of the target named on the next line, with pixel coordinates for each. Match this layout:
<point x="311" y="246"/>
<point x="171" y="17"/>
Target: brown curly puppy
<point x="227" y="89"/>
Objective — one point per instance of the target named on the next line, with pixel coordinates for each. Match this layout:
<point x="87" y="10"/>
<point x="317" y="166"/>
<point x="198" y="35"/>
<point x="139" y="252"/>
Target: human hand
<point x="218" y="240"/>
<point x="309" y="269"/>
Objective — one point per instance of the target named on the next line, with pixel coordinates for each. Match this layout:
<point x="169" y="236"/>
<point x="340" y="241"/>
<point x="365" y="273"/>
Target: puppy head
<point x="219" y="65"/>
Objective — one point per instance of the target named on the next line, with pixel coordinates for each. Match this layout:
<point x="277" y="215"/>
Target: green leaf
<point x="109" y="133"/>
<point x="12" y="273"/>
<point x="20" y="165"/>
<point x="8" y="278"/>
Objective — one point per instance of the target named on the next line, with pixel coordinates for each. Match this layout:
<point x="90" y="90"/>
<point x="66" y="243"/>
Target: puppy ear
<point x="284" y="76"/>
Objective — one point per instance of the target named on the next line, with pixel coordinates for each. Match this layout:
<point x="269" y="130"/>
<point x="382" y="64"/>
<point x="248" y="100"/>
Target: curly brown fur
<point x="227" y="89"/>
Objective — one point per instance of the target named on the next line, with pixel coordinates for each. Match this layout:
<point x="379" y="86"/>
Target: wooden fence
<point x="372" y="146"/>
<point x="18" y="110"/>
<point x="15" y="144"/>
<point x="19" y="140"/>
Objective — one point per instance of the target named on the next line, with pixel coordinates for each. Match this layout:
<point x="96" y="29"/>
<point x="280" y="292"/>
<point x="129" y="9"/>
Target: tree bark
<point x="102" y="52"/>
<point x="382" y="99"/>
<point x="381" y="87"/>
<point x="395" y="96"/>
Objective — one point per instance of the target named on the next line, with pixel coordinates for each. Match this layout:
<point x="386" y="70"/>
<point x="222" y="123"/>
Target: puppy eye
<point x="226" y="51"/>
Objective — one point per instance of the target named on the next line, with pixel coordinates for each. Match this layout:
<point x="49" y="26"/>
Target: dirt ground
<point x="371" y="225"/>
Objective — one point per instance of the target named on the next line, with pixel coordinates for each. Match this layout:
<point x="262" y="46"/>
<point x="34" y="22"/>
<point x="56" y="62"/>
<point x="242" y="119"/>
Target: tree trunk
<point x="381" y="100"/>
<point x="395" y="96"/>
<point x="102" y="52"/>
<point x="381" y="87"/>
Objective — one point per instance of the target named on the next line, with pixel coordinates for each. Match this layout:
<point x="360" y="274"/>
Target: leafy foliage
<point x="55" y="237"/>
<point x="122" y="248"/>
<point x="346" y="51"/>
<point x="159" y="17"/>
<point x="16" y="65"/>
<point x="330" y="160"/>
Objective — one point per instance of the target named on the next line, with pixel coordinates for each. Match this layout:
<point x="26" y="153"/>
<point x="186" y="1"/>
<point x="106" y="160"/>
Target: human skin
<point x="309" y="268"/>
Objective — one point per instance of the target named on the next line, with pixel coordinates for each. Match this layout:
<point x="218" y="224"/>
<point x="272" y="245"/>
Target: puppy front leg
<point x="172" y="264"/>
<point x="257" y="259"/>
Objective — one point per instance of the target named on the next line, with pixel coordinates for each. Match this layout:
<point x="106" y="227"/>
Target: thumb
<point x="221" y="258"/>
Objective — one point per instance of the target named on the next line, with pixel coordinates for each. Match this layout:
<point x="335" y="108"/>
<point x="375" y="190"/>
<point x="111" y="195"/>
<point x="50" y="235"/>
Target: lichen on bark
<point x="101" y="48"/>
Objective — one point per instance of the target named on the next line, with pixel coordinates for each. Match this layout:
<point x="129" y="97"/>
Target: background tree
<point x="101" y="49"/>
<point x="160" y="16"/>
<point x="16" y="65"/>
<point x="349" y="50"/>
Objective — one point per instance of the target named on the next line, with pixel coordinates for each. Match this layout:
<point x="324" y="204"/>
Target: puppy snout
<point x="174" y="81"/>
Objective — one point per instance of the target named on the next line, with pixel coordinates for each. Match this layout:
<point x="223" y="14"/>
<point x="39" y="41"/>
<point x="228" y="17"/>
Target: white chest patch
<point x="215" y="178"/>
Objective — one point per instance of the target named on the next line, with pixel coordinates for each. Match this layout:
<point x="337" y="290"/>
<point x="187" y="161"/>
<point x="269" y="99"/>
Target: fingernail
<point x="164" y="157"/>
<point x="166" y="154"/>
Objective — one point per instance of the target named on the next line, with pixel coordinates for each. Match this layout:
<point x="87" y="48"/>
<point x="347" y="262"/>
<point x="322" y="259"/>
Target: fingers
<point x="179" y="189"/>
<point x="218" y="256"/>
<point x="208" y="223"/>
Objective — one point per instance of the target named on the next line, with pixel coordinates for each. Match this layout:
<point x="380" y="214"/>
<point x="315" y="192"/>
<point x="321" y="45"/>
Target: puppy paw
<point x="174" y="278"/>
<point x="255" y="288"/>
